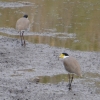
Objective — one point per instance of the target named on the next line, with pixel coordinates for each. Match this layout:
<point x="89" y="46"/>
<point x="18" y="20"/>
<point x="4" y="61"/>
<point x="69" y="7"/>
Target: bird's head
<point x="25" y="16"/>
<point x="63" y="55"/>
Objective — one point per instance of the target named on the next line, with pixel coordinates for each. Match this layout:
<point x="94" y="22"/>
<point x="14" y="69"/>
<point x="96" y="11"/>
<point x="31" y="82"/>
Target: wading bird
<point x="22" y="25"/>
<point x="72" y="66"/>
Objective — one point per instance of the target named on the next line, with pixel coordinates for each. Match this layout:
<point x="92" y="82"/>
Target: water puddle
<point x="91" y="75"/>
<point x="53" y="79"/>
<point x="45" y="16"/>
<point x="87" y="77"/>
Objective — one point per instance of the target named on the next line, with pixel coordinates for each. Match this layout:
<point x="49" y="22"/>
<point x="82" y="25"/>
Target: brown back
<point x="72" y="66"/>
<point x="22" y="24"/>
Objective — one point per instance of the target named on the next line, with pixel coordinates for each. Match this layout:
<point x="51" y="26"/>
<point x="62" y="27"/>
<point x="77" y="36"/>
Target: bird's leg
<point x="71" y="82"/>
<point x="21" y="39"/>
<point x="69" y="78"/>
<point x="72" y="78"/>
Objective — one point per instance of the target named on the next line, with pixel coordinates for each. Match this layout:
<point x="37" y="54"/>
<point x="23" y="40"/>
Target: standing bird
<point x="22" y="25"/>
<point x="72" y="66"/>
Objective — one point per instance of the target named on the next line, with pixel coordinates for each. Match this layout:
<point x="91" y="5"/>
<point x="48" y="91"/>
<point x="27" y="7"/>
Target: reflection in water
<point x="92" y="78"/>
<point x="55" y="78"/>
<point x="66" y="16"/>
<point x="72" y="43"/>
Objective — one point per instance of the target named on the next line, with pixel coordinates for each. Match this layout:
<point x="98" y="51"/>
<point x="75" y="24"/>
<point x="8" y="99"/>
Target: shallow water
<point x="55" y="79"/>
<point x="91" y="79"/>
<point x="64" y="78"/>
<point x="53" y="16"/>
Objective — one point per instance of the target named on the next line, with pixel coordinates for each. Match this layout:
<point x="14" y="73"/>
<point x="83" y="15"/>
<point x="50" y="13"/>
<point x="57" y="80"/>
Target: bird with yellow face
<point x="72" y="66"/>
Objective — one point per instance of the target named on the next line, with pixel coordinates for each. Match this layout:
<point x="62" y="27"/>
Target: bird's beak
<point x="61" y="56"/>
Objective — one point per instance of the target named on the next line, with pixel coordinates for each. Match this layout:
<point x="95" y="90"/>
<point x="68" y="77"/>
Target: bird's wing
<point x="72" y="66"/>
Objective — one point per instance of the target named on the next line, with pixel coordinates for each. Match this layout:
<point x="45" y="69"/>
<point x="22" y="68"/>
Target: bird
<point x="72" y="66"/>
<point x="22" y="25"/>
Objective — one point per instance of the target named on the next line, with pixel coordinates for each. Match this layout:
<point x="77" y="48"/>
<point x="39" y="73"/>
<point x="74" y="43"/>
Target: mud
<point x="14" y="4"/>
<point x="12" y="31"/>
<point x="35" y="72"/>
<point x="20" y="66"/>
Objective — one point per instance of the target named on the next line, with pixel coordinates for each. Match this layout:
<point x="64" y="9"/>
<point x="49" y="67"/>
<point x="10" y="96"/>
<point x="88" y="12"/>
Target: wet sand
<point x="18" y="65"/>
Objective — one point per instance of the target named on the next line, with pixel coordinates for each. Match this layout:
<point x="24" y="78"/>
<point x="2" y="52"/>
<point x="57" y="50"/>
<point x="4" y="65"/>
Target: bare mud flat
<point x="14" y="4"/>
<point x="18" y="65"/>
<point x="12" y="31"/>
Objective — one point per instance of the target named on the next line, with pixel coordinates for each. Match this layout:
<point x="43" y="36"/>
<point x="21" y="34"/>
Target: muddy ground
<point x="19" y="65"/>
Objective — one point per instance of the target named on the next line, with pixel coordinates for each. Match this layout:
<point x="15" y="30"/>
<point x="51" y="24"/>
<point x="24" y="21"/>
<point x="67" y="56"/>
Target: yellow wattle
<point x="61" y="56"/>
